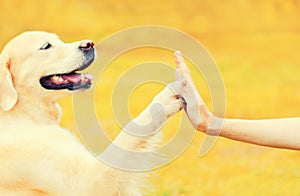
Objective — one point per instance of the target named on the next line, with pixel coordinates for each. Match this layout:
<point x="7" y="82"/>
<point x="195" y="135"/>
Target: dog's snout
<point x="86" y="45"/>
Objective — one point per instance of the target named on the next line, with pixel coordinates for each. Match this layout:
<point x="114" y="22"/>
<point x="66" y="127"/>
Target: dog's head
<point x="39" y="64"/>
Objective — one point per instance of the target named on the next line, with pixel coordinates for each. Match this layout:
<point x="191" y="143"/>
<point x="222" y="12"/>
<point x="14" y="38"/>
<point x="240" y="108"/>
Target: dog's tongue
<point x="76" y="77"/>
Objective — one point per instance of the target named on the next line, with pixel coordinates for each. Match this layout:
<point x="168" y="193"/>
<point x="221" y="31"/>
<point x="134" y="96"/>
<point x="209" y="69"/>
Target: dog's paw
<point x="170" y="99"/>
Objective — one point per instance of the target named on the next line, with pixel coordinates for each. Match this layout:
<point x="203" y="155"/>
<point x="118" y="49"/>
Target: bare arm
<point x="278" y="133"/>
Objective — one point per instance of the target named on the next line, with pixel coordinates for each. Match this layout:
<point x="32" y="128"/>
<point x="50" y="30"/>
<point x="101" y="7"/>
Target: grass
<point x="256" y="46"/>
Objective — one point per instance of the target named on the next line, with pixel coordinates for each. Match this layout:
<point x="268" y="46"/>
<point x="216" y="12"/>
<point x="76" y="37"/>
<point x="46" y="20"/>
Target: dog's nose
<point x="86" y="45"/>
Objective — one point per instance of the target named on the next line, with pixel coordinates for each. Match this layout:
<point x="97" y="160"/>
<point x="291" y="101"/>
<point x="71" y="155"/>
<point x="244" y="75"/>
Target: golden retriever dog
<point x="37" y="156"/>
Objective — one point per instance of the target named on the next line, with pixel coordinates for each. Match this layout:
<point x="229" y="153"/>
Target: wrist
<point x="215" y="126"/>
<point x="205" y="119"/>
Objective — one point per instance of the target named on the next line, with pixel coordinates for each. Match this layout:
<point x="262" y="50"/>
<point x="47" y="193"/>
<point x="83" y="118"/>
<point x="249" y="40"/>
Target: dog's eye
<point x="46" y="46"/>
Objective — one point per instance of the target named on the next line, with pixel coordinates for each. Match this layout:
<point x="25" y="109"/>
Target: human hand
<point x="197" y="112"/>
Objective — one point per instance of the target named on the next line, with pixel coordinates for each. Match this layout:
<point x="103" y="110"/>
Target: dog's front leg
<point x="132" y="148"/>
<point x="147" y="125"/>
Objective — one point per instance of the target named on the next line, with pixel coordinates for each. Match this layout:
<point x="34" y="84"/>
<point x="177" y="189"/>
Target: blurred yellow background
<point x="256" y="45"/>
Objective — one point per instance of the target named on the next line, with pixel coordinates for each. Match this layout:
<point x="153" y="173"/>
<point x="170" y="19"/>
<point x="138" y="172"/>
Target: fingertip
<point x="178" y="58"/>
<point x="177" y="52"/>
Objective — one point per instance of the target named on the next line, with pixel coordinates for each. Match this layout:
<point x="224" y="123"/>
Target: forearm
<point x="278" y="133"/>
<point x="132" y="149"/>
<point x="141" y="133"/>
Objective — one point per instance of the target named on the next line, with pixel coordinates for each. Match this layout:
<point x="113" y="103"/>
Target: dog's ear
<point x="8" y="94"/>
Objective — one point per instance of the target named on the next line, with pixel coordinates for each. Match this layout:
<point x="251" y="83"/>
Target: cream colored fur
<point x="37" y="156"/>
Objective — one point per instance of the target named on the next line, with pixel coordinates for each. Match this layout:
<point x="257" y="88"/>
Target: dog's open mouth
<point x="70" y="81"/>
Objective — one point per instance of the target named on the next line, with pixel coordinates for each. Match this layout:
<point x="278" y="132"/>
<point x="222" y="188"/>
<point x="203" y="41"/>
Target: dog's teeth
<point x="55" y="78"/>
<point x="82" y="77"/>
<point x="60" y="79"/>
